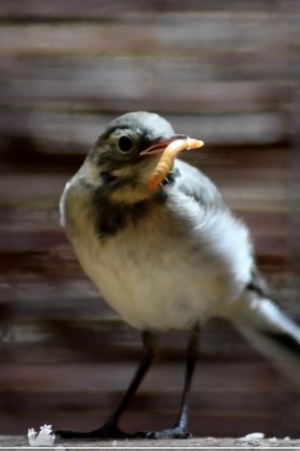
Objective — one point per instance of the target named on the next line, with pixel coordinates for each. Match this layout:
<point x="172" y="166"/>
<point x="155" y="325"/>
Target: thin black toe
<point x="178" y="433"/>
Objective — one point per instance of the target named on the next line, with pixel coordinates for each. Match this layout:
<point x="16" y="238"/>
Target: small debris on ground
<point x="254" y="436"/>
<point x="43" y="438"/>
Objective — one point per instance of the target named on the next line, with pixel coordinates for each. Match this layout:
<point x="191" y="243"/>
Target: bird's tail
<point x="271" y="331"/>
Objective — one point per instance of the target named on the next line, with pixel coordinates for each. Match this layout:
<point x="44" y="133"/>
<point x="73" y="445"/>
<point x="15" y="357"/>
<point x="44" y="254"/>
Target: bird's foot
<point x="107" y="431"/>
<point x="177" y="432"/>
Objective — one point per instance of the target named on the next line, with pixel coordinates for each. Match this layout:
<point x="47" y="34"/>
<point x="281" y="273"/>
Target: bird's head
<point x="126" y="153"/>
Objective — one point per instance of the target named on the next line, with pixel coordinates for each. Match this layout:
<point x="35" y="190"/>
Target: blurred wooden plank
<point x="30" y="241"/>
<point x="100" y="9"/>
<point x="209" y="402"/>
<point x="231" y="65"/>
<point x="173" y="36"/>
<point x="35" y="378"/>
<point x="178" y="96"/>
<point x="37" y="188"/>
<point x="294" y="177"/>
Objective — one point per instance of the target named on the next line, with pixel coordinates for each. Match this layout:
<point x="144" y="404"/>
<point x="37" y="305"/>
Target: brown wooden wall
<point x="222" y="71"/>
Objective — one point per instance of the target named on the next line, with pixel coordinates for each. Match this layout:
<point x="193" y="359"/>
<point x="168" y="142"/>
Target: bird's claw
<point x="179" y="433"/>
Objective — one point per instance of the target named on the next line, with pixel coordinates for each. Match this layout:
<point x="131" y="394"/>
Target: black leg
<point x="180" y="429"/>
<point x="110" y="428"/>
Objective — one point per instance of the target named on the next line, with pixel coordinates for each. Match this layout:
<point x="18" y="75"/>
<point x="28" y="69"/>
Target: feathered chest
<point x="172" y="253"/>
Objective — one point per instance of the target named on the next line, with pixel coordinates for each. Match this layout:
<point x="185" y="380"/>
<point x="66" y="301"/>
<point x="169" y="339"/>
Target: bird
<point x="166" y="259"/>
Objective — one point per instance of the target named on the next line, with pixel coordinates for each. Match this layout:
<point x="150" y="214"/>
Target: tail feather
<point x="272" y="332"/>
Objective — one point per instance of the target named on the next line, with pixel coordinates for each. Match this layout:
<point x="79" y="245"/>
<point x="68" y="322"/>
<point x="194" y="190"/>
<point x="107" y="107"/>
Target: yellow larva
<point x="169" y="154"/>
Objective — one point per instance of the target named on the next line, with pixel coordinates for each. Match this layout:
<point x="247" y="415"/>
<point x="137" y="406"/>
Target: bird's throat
<point x="131" y="193"/>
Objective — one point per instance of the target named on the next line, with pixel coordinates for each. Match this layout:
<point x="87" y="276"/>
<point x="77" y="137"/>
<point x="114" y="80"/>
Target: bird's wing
<point x="255" y="315"/>
<point x="195" y="184"/>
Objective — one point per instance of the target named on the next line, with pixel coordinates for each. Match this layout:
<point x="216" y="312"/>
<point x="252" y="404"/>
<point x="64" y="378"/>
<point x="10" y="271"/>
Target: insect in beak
<point x="160" y="146"/>
<point x="168" y="154"/>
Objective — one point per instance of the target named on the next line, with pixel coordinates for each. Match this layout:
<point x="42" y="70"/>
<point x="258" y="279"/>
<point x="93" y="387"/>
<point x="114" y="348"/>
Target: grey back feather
<point x="194" y="183"/>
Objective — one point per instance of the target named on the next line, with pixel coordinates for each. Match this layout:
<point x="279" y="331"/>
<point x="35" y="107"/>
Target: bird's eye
<point x="125" y="144"/>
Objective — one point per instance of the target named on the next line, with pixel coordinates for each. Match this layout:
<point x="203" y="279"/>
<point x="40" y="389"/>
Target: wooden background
<point x="223" y="71"/>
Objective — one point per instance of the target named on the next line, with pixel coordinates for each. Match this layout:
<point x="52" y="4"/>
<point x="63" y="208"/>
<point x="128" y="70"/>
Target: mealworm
<point x="166" y="161"/>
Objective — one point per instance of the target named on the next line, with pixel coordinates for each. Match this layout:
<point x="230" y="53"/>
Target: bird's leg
<point x="110" y="428"/>
<point x="180" y="428"/>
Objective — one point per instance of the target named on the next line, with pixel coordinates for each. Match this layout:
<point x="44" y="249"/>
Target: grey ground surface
<point x="21" y="441"/>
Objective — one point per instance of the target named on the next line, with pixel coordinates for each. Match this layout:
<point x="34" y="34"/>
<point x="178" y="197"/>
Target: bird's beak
<point x="160" y="146"/>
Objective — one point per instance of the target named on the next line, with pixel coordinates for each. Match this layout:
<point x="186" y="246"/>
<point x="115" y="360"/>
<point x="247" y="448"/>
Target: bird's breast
<point x="166" y="269"/>
<point x="147" y="293"/>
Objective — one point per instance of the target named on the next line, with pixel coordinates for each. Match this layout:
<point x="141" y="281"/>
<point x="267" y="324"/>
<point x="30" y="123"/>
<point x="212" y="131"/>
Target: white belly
<point x="170" y="293"/>
<point x="163" y="274"/>
<point x="148" y="298"/>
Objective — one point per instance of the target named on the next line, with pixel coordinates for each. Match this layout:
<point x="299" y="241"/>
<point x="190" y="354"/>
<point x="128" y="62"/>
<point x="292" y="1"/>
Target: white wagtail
<point x="166" y="259"/>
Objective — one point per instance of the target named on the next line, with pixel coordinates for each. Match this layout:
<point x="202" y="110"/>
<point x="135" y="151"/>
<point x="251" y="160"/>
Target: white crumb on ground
<point x="42" y="438"/>
<point x="254" y="436"/>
